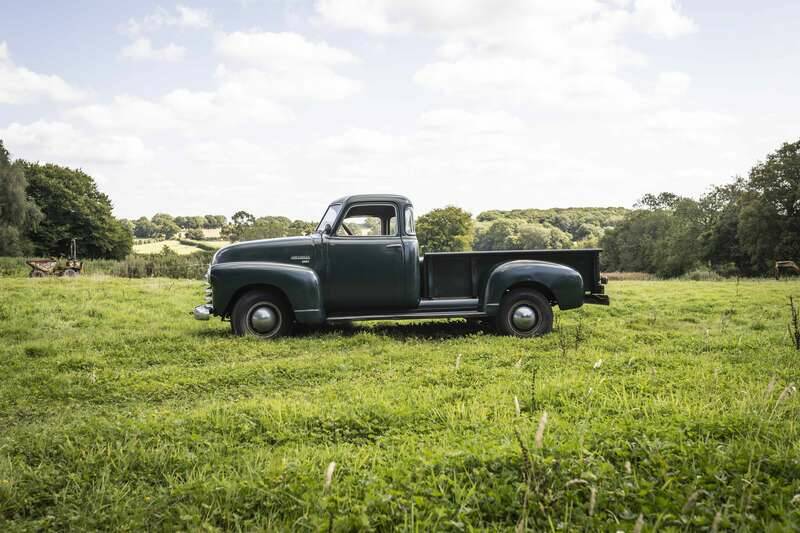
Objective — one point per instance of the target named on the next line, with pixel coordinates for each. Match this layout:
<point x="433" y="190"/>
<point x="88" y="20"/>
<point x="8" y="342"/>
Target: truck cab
<point x="363" y="263"/>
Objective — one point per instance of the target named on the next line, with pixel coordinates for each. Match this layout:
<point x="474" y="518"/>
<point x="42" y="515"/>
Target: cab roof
<point x="372" y="198"/>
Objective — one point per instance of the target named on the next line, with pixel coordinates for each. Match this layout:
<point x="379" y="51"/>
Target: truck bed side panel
<point x="464" y="274"/>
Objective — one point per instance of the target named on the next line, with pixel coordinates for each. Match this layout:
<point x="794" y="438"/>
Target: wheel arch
<point x="298" y="285"/>
<point x="560" y="284"/>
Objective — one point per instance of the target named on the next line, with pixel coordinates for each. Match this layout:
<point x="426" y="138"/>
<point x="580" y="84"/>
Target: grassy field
<point x="674" y="407"/>
<point x="156" y="247"/>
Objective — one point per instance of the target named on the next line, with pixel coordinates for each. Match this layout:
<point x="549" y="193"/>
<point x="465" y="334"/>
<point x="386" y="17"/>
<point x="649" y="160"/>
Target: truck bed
<point x="464" y="274"/>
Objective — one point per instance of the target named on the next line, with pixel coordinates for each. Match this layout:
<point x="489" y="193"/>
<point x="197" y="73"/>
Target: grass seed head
<point x="516" y="406"/>
<point x="539" y="439"/>
<point x="628" y="469"/>
<point x="771" y="385"/>
<point x="592" y="500"/>
<point x="787" y="392"/>
<point x="598" y="364"/>
<point x="637" y="528"/>
<point x="458" y="361"/>
<point x="329" y="476"/>
<point x="715" y="524"/>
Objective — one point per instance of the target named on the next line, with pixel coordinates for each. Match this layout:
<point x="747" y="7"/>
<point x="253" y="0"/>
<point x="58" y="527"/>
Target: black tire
<point x="37" y="274"/>
<point x="267" y="303"/>
<point x="70" y="273"/>
<point x="525" y="301"/>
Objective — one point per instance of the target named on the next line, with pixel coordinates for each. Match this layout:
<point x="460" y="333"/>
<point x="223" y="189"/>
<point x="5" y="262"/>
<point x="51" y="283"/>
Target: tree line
<point x="739" y="228"/>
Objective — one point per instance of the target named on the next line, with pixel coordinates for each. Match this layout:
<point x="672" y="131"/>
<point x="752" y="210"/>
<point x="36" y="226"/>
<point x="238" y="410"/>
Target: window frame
<point x="406" y="231"/>
<point x="343" y="215"/>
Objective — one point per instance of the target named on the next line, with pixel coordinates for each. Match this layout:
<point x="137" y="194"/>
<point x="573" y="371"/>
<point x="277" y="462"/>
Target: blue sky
<point x="277" y="107"/>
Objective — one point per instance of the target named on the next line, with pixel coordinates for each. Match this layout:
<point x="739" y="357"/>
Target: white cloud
<point x="142" y="49"/>
<point x="181" y="17"/>
<point x="279" y="50"/>
<point x="66" y="144"/>
<point x="662" y="17"/>
<point x="19" y="85"/>
<point x="573" y="55"/>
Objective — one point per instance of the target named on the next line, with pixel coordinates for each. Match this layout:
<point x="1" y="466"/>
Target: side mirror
<point x="327" y="229"/>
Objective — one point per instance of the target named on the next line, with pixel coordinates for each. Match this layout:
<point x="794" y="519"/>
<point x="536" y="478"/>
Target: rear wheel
<point x="37" y="274"/>
<point x="261" y="313"/>
<point x="70" y="273"/>
<point x="525" y="313"/>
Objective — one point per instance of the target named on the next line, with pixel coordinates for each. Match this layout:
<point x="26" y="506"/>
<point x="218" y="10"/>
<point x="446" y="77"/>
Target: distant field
<point x="157" y="247"/>
<point x="120" y="412"/>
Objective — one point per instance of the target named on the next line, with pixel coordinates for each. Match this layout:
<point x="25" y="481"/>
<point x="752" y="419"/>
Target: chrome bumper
<point x="203" y="312"/>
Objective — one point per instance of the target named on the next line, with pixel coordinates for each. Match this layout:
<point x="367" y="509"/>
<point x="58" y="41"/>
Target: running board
<point x="411" y="315"/>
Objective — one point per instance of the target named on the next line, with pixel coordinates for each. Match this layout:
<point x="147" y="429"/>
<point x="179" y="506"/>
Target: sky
<point x="278" y="107"/>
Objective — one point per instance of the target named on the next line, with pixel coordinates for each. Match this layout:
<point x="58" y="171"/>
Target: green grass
<point x="120" y="412"/>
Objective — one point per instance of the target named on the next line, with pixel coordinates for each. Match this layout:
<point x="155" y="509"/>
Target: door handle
<point x="394" y="245"/>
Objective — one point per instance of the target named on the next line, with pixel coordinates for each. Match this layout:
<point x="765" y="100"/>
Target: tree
<point x="18" y="213"/>
<point x="144" y="229"/>
<point x="166" y="225"/>
<point x="498" y="235"/>
<point x="777" y="182"/>
<point x="73" y="207"/>
<point x="448" y="229"/>
<point x="240" y="222"/>
<point x="195" y="234"/>
<point x="214" y="221"/>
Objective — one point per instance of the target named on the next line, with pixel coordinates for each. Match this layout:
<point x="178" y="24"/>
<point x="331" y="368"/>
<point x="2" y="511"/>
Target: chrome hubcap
<point x="524" y="318"/>
<point x="264" y="319"/>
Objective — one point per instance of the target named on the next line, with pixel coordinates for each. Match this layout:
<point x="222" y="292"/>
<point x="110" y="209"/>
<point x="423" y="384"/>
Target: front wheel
<point x="261" y="313"/>
<point x="525" y="313"/>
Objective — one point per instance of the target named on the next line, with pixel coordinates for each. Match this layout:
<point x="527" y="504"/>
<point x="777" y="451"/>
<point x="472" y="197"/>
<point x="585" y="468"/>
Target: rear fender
<point x="298" y="283"/>
<point x="562" y="283"/>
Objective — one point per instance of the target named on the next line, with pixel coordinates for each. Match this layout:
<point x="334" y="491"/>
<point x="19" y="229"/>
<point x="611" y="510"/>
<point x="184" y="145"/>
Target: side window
<point x="409" y="220"/>
<point x="368" y="220"/>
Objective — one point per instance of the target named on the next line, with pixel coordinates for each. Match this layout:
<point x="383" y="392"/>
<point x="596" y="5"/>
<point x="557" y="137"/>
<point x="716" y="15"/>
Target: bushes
<point x="198" y="244"/>
<point x="165" y="265"/>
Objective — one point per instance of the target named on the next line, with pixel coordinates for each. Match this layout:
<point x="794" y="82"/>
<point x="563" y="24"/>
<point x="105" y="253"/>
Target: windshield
<point x="330" y="216"/>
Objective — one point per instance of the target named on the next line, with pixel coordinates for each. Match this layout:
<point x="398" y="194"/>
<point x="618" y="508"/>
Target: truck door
<point x="365" y="260"/>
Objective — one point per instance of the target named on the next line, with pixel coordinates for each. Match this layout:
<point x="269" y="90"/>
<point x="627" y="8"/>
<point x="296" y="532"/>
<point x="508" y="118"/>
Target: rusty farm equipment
<point x="69" y="267"/>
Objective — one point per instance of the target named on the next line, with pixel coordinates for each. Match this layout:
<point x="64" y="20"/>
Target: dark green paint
<point x="324" y="275"/>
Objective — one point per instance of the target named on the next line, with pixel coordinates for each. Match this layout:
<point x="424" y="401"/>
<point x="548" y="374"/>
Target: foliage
<point x="511" y="234"/>
<point x="120" y="413"/>
<point x="18" y="213"/>
<point x="448" y="229"/>
<point x="739" y="228"/>
<point x="73" y="208"/>
<point x="584" y="225"/>
<point x="246" y="227"/>
<point x="195" y="234"/>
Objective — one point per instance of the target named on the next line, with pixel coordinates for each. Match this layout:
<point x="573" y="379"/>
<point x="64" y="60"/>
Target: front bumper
<point x="203" y="312"/>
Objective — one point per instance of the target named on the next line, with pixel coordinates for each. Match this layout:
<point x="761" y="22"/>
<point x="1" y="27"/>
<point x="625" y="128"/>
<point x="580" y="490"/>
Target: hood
<point x="279" y="250"/>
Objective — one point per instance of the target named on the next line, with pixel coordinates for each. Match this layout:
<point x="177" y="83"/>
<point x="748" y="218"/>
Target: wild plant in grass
<point x="580" y="334"/>
<point x="516" y="406"/>
<point x="561" y="336"/>
<point x="794" y="324"/>
<point x="458" y="361"/>
<point x="533" y="389"/>
<point x="592" y="500"/>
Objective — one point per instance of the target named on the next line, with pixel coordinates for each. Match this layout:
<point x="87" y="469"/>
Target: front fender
<point x="298" y="283"/>
<point x="564" y="284"/>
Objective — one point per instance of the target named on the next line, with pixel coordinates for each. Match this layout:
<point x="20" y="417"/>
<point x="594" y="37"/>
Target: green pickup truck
<point x="363" y="263"/>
